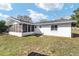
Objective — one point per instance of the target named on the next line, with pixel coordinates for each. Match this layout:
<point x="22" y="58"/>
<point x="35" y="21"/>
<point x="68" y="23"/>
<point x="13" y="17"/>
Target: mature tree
<point x="9" y="21"/>
<point x="75" y="16"/>
<point x="2" y="26"/>
<point x="24" y="18"/>
<point x="44" y="20"/>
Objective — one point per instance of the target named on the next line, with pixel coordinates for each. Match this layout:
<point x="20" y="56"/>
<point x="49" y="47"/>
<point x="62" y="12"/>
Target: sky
<point x="38" y="11"/>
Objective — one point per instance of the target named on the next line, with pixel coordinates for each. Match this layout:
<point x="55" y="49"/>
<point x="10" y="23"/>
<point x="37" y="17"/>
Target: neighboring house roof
<point x="59" y="21"/>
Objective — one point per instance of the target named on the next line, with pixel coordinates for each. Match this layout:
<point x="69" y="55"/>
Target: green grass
<point x="11" y="45"/>
<point x="47" y="45"/>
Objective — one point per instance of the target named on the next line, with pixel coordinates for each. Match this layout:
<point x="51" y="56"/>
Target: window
<point x="54" y="27"/>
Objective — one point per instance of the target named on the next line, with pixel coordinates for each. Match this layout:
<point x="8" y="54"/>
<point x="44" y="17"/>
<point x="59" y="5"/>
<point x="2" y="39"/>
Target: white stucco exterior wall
<point x="19" y="34"/>
<point x="64" y="30"/>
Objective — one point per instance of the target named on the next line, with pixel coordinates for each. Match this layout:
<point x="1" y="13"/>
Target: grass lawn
<point x="47" y="45"/>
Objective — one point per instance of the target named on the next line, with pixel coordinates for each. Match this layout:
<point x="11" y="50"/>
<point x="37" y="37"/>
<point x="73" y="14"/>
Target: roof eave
<point x="55" y="23"/>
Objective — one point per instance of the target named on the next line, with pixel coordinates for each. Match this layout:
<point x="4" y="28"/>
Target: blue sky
<point x="38" y="11"/>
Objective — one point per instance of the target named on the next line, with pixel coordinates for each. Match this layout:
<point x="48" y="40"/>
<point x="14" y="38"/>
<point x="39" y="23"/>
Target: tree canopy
<point x="43" y="20"/>
<point x="9" y="21"/>
<point x="2" y="26"/>
<point x="75" y="16"/>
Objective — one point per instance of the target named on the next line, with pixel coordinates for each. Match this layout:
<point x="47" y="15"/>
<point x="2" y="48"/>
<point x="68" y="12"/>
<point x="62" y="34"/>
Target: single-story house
<point x="60" y="28"/>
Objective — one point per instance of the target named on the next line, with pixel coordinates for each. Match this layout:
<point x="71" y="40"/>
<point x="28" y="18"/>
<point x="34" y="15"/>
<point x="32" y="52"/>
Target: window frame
<point x="54" y="27"/>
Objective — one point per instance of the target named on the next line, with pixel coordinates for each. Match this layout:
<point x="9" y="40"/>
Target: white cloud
<point x="3" y="15"/>
<point x="72" y="6"/>
<point x="50" y="6"/>
<point x="36" y="16"/>
<point x="5" y="6"/>
<point x="66" y="17"/>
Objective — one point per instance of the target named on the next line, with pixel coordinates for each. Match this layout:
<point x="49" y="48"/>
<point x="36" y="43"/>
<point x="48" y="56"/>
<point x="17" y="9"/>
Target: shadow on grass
<point x="1" y="34"/>
<point x="37" y="35"/>
<point x="75" y="35"/>
<point x="36" y="54"/>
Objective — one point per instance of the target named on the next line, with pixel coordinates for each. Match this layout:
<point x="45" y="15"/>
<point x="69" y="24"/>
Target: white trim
<point x="27" y="33"/>
<point x="20" y="34"/>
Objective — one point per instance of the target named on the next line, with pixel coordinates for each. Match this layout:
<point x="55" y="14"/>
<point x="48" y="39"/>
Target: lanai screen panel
<point x="25" y="27"/>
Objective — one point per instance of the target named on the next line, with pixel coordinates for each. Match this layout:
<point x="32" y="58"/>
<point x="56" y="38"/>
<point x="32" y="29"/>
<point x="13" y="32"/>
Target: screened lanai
<point x="22" y="28"/>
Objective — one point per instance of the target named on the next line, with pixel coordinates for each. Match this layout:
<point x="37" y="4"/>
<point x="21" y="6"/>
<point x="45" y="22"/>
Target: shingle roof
<point x="59" y="21"/>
